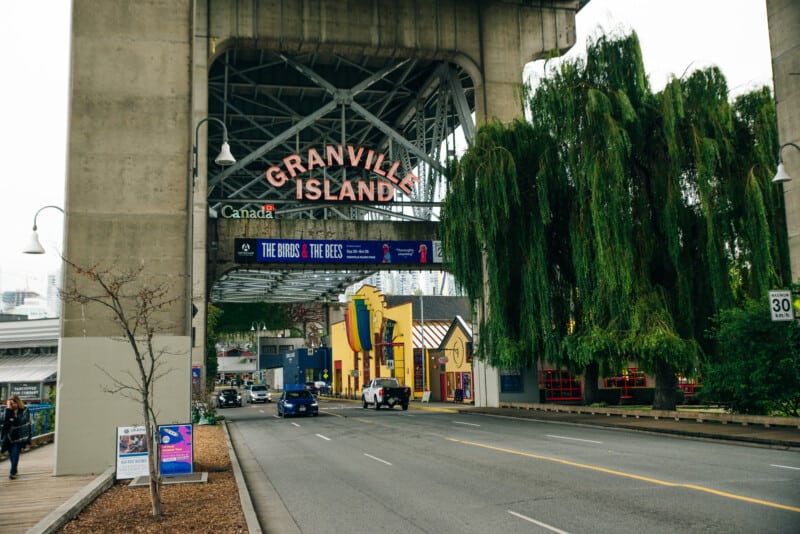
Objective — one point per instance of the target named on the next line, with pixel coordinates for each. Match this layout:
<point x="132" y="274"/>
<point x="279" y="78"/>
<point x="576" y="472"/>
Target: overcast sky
<point x="676" y="36"/>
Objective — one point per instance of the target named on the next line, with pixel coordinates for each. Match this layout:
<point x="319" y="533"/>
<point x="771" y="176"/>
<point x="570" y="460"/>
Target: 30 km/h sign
<point x="780" y="305"/>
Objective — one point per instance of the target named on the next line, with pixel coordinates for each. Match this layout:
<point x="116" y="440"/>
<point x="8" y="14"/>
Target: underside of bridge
<point x="388" y="118"/>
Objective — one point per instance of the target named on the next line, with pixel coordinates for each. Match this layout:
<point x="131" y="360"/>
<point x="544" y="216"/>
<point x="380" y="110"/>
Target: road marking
<point x="574" y="439"/>
<point x="630" y="475"/>
<point x="296" y="424"/>
<point x="535" y="522"/>
<point x="260" y="411"/>
<point x="377" y="459"/>
<point x="463" y="423"/>
<point x="785" y="467"/>
<point x="322" y="437"/>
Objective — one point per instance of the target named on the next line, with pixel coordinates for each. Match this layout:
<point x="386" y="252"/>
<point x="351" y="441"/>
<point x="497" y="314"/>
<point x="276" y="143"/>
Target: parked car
<point x="228" y="397"/>
<point x="300" y="402"/>
<point x="312" y="387"/>
<point x="258" y="393"/>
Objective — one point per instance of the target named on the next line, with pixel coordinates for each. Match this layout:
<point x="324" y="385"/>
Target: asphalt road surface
<point x="389" y="471"/>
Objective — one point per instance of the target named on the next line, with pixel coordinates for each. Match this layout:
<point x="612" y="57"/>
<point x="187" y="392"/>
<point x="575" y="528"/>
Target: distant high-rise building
<point x="53" y="300"/>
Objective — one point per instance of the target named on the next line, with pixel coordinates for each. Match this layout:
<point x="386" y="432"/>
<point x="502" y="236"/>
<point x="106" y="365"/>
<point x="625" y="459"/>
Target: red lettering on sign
<point x="334" y="154"/>
<point x="355" y="157"/>
<point x="276" y="176"/>
<point x="314" y="159"/>
<point x="294" y="165"/>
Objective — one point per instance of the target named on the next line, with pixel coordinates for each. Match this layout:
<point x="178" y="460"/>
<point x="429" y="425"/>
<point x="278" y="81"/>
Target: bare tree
<point x="308" y="314"/>
<point x="136" y="308"/>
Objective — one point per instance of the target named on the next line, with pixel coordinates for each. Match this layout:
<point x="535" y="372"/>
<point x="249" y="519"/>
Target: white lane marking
<point x="785" y="467"/>
<point x="295" y="424"/>
<point x="322" y="437"/>
<point x="377" y="459"/>
<point x="463" y="423"/>
<point x="574" y="439"/>
<point x="535" y="522"/>
<point x="260" y="411"/>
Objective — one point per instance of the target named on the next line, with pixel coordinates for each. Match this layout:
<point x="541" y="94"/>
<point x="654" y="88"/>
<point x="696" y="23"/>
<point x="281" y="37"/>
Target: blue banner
<point x="323" y="251"/>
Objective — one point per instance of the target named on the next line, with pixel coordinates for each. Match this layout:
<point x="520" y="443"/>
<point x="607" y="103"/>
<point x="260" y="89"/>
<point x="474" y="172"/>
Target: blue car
<point x="300" y="402"/>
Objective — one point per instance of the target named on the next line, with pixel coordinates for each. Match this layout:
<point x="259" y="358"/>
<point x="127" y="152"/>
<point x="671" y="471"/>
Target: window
<point x="510" y="381"/>
<point x="560" y="385"/>
<point x="631" y="377"/>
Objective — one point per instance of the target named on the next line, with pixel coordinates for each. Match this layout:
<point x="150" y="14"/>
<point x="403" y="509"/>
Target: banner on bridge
<point x="323" y="251"/>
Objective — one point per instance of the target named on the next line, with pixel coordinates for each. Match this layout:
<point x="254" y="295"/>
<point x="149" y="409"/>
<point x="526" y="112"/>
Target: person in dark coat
<point x="16" y="431"/>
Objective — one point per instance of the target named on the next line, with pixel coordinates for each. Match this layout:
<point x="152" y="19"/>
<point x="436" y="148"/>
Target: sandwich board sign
<point x="780" y="305"/>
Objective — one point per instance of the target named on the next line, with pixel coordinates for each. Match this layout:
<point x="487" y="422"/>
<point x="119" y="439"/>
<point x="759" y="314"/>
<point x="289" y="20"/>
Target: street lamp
<point x="781" y="175"/>
<point x="34" y="246"/>
<point x="258" y="325"/>
<point x="225" y="158"/>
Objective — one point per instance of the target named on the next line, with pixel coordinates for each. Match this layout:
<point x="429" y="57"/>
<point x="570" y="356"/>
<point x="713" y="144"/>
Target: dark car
<point x="228" y="397"/>
<point x="300" y="402"/>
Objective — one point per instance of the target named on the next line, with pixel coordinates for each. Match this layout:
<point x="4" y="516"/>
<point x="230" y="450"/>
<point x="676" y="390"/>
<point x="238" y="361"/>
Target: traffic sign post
<point x="780" y="305"/>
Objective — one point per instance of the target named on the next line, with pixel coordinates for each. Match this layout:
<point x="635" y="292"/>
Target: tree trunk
<point x="155" y="478"/>
<point x="590" y="388"/>
<point x="664" y="398"/>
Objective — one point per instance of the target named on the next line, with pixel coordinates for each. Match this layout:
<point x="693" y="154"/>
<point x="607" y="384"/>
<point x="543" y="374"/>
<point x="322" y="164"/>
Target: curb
<point x="70" y="509"/>
<point x="244" y="495"/>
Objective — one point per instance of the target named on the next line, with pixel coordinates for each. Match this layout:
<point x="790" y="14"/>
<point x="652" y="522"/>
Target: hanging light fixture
<point x="224" y="158"/>
<point x="781" y="175"/>
<point x="34" y="246"/>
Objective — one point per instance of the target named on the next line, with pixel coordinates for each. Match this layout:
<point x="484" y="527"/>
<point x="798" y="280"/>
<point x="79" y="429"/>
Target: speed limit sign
<point x="780" y="305"/>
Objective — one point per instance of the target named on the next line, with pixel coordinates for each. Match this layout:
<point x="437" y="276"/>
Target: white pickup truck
<point x="385" y="392"/>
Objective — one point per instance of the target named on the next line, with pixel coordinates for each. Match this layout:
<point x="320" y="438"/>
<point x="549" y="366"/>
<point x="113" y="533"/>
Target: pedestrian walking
<point x="16" y="431"/>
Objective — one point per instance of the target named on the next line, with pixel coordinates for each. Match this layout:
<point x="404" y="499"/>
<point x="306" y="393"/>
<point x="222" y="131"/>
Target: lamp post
<point x="258" y="325"/>
<point x="34" y="246"/>
<point x="223" y="159"/>
<point x="781" y="175"/>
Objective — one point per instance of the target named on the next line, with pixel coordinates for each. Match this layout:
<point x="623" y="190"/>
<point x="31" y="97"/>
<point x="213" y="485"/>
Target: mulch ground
<point x="213" y="507"/>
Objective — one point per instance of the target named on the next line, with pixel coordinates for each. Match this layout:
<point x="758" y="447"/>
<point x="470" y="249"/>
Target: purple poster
<point x="175" y="442"/>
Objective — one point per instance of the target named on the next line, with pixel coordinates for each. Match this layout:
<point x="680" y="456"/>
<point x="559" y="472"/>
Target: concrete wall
<point x="784" y="35"/>
<point x="130" y="132"/>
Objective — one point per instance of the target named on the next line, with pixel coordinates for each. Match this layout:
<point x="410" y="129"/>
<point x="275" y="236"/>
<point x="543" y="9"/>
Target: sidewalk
<point x="36" y="493"/>
<point x="37" y="498"/>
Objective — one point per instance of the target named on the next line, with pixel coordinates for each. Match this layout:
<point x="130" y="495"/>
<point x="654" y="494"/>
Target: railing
<point x="43" y="416"/>
<point x="700" y="417"/>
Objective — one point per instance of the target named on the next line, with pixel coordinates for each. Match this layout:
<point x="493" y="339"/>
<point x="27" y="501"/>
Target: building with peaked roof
<point x="420" y="340"/>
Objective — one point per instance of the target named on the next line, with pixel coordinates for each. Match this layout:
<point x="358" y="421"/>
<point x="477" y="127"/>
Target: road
<point x="387" y="471"/>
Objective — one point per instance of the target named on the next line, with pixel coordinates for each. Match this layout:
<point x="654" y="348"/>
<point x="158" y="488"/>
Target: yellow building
<point x="379" y="339"/>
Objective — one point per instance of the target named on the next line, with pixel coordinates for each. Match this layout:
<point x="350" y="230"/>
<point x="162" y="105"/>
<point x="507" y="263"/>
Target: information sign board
<point x="780" y="305"/>
<point x="131" y="452"/>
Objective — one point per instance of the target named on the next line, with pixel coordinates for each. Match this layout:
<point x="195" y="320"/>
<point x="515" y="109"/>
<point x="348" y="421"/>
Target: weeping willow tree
<point x="611" y="225"/>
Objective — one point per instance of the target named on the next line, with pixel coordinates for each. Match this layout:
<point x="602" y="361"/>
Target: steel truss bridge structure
<point x="414" y="111"/>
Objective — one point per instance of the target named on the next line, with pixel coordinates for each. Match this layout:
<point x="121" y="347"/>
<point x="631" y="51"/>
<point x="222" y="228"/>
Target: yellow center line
<point x="630" y="475"/>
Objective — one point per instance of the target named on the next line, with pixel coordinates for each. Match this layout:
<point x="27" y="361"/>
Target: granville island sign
<point x="316" y="189"/>
<point x="312" y="189"/>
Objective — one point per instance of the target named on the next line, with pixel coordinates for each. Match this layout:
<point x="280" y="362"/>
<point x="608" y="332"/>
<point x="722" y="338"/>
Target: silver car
<point x="259" y="393"/>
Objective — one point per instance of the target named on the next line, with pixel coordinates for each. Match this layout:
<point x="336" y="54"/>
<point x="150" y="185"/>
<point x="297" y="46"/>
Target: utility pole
<point x="422" y="329"/>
